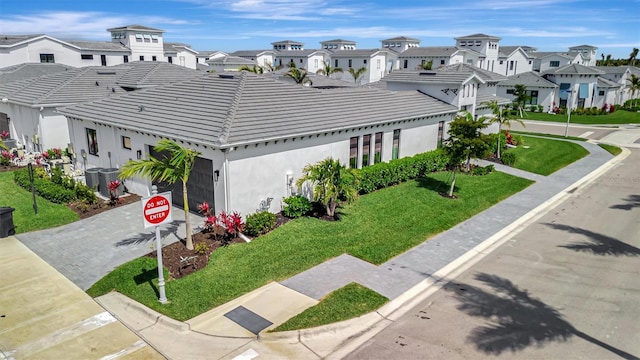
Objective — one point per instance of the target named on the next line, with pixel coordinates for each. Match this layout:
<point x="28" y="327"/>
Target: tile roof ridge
<point x="233" y="107"/>
<point x="80" y="72"/>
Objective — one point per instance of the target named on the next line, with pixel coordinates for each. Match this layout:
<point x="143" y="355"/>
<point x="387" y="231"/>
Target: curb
<point x="423" y="290"/>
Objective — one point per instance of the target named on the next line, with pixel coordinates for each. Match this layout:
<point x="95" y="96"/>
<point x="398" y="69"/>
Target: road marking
<point x="247" y="355"/>
<point x="586" y="134"/>
<point x="128" y="350"/>
<point x="57" y="337"/>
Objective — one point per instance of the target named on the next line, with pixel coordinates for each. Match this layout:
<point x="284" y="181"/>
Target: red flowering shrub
<point x="231" y="223"/>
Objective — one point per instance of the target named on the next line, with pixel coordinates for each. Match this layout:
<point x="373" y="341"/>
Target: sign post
<point x="569" y="100"/>
<point x="156" y="210"/>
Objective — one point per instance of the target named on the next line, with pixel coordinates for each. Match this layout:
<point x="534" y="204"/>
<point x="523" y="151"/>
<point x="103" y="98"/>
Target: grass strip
<point x="553" y="136"/>
<point x="346" y="303"/>
<point x="617" y="117"/>
<point x="613" y="150"/>
<point x="545" y="156"/>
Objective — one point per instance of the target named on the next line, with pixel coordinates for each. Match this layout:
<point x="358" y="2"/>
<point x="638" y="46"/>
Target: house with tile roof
<point x="577" y="85"/>
<point x="229" y="63"/>
<point x="540" y="90"/>
<point x="263" y="58"/>
<point x="545" y="61"/>
<point x="620" y="75"/>
<point x="30" y="103"/>
<point x="513" y="60"/>
<point x="255" y="134"/>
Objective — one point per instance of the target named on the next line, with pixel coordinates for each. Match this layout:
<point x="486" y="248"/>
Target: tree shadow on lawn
<point x="633" y="201"/>
<point x="436" y="185"/>
<point x="515" y="319"/>
<point x="142" y="238"/>
<point x="597" y="244"/>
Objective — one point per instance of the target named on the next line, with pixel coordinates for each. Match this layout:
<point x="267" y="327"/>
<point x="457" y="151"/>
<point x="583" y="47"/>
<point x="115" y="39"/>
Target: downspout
<point x="227" y="189"/>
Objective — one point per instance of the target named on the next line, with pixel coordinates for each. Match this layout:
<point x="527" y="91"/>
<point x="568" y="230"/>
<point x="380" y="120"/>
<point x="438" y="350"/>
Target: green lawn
<point x="545" y="156"/>
<point x="375" y="228"/>
<point x="613" y="150"/>
<point x="49" y="214"/>
<point x="345" y="303"/>
<point x="617" y="117"/>
<point x="549" y="135"/>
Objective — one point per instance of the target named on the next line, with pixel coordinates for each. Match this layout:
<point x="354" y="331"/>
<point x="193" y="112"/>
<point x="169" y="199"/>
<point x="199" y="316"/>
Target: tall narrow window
<point x="377" y="148"/>
<point x="366" y="149"/>
<point x="126" y="58"/>
<point x="405" y="64"/>
<point x="350" y="63"/>
<point x="440" y="133"/>
<point x="170" y="60"/>
<point x="103" y="60"/>
<point x="353" y="152"/>
<point x="92" y="141"/>
<point x="336" y="63"/>
<point x="395" y="150"/>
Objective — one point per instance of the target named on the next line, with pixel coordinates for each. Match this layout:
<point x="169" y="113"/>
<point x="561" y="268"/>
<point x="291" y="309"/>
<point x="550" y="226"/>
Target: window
<point x="138" y="37"/>
<point x="364" y="61"/>
<point x="463" y="43"/>
<point x="126" y="58"/>
<point x="501" y="62"/>
<point x="405" y="64"/>
<point x="103" y="60"/>
<point x="126" y="142"/>
<point x="511" y="65"/>
<point x="315" y="62"/>
<point x="170" y="60"/>
<point x="366" y="149"/>
<point x="154" y="38"/>
<point x="532" y="97"/>
<point x="395" y="150"/>
<point x="554" y="63"/>
<point x="440" y="133"/>
<point x="154" y="58"/>
<point x="336" y="63"/>
<point x="510" y="91"/>
<point x="354" y="143"/>
<point x="377" y="148"/>
<point x="478" y="43"/>
<point x="442" y="62"/>
<point x="47" y="58"/>
<point x="300" y="61"/>
<point x="86" y="57"/>
<point x="600" y="92"/>
<point x="141" y="57"/>
<point x="350" y="63"/>
<point x="378" y="64"/>
<point x="92" y="141"/>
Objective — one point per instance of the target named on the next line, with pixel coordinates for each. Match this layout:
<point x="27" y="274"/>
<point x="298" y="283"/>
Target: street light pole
<point x="566" y="129"/>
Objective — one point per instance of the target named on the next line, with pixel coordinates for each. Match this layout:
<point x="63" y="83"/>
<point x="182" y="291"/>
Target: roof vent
<point x="140" y="108"/>
<point x="428" y="73"/>
<point x="106" y="72"/>
<point x="227" y="76"/>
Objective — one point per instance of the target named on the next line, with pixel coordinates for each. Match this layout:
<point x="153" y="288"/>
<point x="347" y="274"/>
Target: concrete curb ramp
<point x="46" y="316"/>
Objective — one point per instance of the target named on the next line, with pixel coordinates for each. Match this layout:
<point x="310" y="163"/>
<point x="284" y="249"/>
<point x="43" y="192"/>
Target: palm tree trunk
<point x="499" y="135"/>
<point x="187" y="221"/>
<point x="453" y="183"/>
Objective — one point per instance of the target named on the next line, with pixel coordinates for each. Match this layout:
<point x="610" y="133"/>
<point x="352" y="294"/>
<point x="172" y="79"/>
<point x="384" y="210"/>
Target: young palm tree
<point x="634" y="86"/>
<point x="357" y="73"/>
<point x="327" y="70"/>
<point x="521" y="97"/>
<point x="427" y="65"/>
<point x="501" y="118"/>
<point x="299" y="76"/>
<point x="331" y="181"/>
<point x="176" y="167"/>
<point x="255" y="69"/>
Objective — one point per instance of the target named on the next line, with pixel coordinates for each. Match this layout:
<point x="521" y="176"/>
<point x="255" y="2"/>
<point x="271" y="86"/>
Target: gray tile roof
<point x="613" y="69"/>
<point x="543" y="54"/>
<point x="481" y="100"/>
<point x="429" y="51"/>
<point x="248" y="108"/>
<point x="605" y="83"/>
<point x="293" y="53"/>
<point x="530" y="78"/>
<point x="433" y="77"/>
<point x="508" y="50"/>
<point x="354" y="53"/>
<point x="98" y="45"/>
<point x="478" y="36"/>
<point x="401" y="38"/>
<point x="583" y="46"/>
<point x="10" y="40"/>
<point x="338" y="41"/>
<point x="249" y="53"/>
<point x="485" y="75"/>
<point x="574" y="69"/>
<point x="134" y="27"/>
<point x="30" y="70"/>
<point x="232" y="60"/>
<point x="143" y="74"/>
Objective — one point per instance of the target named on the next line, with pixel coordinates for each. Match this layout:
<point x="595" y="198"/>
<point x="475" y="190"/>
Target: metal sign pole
<point x="163" y="296"/>
<point x="33" y="190"/>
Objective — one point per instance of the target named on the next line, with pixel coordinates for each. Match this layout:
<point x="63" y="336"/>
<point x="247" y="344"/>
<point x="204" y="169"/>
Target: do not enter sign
<point x="156" y="210"/>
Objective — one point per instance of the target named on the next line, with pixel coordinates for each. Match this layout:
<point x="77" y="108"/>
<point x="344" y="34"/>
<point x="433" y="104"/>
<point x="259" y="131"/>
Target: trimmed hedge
<point x="381" y="175"/>
<point x="53" y="192"/>
<point x="296" y="206"/>
<point x="259" y="223"/>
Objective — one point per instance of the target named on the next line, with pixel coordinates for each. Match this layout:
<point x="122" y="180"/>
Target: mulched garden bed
<point x="84" y="210"/>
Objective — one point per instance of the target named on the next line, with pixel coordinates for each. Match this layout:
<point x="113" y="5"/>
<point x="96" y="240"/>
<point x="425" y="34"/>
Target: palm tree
<point x="299" y="76"/>
<point x="521" y="97"/>
<point x="357" y="73"/>
<point x="255" y="69"/>
<point x="632" y="57"/>
<point x="501" y="118"/>
<point x="607" y="61"/>
<point x="174" y="167"/>
<point x="327" y="70"/>
<point x="427" y="65"/>
<point x="634" y="85"/>
<point x="331" y="182"/>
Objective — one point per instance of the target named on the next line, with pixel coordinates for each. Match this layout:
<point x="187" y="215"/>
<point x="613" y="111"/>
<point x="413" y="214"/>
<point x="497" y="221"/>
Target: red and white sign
<point x="156" y="210"/>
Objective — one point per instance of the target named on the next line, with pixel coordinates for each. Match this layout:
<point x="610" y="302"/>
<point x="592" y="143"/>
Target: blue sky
<point x="549" y="25"/>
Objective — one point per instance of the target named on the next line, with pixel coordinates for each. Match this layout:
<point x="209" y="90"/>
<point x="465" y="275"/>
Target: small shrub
<point x="200" y="248"/>
<point x="482" y="170"/>
<point x="540" y="108"/>
<point x="296" y="206"/>
<point x="260" y="223"/>
<point x="508" y="158"/>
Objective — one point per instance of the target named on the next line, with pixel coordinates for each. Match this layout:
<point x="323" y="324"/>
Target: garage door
<point x="199" y="186"/>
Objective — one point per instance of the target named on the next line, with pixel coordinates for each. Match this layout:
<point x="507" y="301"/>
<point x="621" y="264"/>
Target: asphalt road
<point x="566" y="287"/>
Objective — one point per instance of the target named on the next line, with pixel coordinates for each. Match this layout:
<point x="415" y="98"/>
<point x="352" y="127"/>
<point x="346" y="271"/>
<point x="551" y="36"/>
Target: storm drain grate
<point x="248" y="319"/>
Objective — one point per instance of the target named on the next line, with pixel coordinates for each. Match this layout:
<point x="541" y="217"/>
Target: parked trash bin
<point x="105" y="176"/>
<point x="6" y="222"/>
<point x="91" y="178"/>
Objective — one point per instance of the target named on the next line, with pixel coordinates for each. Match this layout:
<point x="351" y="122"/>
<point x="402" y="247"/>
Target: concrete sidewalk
<point x="239" y="329"/>
<point x="45" y="316"/>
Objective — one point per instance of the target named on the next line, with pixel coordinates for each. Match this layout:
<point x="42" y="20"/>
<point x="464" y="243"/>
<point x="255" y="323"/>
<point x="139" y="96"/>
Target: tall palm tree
<point x="327" y="70"/>
<point x="255" y="69"/>
<point x="632" y="57"/>
<point x="607" y="61"/>
<point x="174" y="167"/>
<point x="331" y="182"/>
<point x="299" y="76"/>
<point x="634" y="86"/>
<point x="357" y="73"/>
<point x="502" y="118"/>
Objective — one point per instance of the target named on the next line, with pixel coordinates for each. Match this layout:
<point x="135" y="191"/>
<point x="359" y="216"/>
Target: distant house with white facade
<point x="229" y="63"/>
<point x="620" y="75"/>
<point x="513" y="60"/>
<point x="540" y="91"/>
<point x="253" y="142"/>
<point x="262" y="58"/>
<point x="545" y="61"/>
<point x="128" y="43"/>
<point x="577" y="85"/>
<point x="607" y="92"/>
<point x="588" y="52"/>
<point x="374" y="60"/>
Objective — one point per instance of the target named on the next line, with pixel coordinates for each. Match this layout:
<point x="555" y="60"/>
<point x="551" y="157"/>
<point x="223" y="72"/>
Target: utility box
<point x="6" y="222"/>
<point x="91" y="177"/>
<point x="105" y="176"/>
